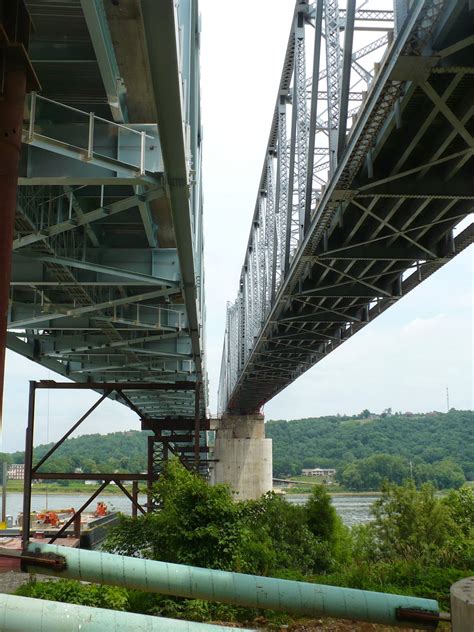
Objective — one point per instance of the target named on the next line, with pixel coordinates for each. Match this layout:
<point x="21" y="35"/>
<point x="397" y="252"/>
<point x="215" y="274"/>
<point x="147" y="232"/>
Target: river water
<point x="352" y="509"/>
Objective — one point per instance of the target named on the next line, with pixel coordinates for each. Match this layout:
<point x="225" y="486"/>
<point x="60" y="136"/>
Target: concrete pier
<point x="244" y="456"/>
<point x="462" y="605"/>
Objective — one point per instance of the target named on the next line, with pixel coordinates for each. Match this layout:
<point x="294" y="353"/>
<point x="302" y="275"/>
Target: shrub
<point x="72" y="591"/>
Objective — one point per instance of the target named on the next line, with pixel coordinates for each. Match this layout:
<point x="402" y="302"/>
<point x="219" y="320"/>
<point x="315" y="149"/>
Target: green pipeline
<point x="314" y="600"/>
<point x="21" y="614"/>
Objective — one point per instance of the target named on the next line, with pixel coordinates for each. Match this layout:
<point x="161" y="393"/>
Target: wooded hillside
<point x="422" y="439"/>
<point x="365" y="450"/>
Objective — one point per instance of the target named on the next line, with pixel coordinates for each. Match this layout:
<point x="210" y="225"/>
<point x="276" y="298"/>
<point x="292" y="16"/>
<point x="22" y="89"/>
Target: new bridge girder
<point x="107" y="252"/>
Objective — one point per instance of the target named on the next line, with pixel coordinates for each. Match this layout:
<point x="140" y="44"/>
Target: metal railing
<point x="89" y="148"/>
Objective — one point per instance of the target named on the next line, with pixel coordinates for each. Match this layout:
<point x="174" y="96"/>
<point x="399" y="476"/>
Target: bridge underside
<point x="107" y="267"/>
<point x="385" y="220"/>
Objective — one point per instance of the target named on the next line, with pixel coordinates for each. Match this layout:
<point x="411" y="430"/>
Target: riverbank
<point x="64" y="490"/>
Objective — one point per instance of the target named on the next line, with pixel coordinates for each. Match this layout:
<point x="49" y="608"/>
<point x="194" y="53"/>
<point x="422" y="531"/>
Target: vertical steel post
<point x="25" y="534"/>
<point x="197" y="425"/>
<point x="346" y="76"/>
<point x="318" y="27"/>
<point x="11" y="124"/>
<point x="302" y="124"/>
<point x="151" y="442"/>
<point x="4" y="490"/>
<point x="333" y="66"/>
<point x="289" y="214"/>
<point x="282" y="181"/>
<point x="135" y="498"/>
<point x="77" y="525"/>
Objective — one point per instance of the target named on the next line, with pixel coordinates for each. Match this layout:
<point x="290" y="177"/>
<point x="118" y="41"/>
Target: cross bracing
<point x="107" y="276"/>
<point x="373" y="162"/>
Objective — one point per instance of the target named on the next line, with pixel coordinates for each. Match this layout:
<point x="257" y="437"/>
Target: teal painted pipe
<point x="234" y="588"/>
<point x="22" y="614"/>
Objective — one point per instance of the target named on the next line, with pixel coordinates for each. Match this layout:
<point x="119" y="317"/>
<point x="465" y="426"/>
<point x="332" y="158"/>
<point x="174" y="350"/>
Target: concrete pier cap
<point x="243" y="455"/>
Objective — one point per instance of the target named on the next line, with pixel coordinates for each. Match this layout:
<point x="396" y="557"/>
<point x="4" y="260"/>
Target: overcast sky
<point x="404" y="360"/>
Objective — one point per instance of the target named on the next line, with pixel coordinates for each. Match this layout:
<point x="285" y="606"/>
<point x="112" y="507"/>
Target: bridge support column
<point x="462" y="605"/>
<point x="243" y="456"/>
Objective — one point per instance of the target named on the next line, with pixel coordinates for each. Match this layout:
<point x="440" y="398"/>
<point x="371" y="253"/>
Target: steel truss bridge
<point x="107" y="281"/>
<point x="367" y="173"/>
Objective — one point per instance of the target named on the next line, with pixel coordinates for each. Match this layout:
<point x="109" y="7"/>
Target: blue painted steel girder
<point x="100" y="288"/>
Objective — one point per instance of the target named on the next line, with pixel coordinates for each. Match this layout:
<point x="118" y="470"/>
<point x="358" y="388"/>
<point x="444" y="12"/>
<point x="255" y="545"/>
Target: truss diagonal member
<point x="52" y="450"/>
<point x="448" y="140"/>
<point x="456" y="47"/>
<point x="89" y="309"/>
<point x="96" y="20"/>
<point x="85" y="218"/>
<point x="145" y="214"/>
<point x="75" y="204"/>
<point x="393" y="228"/>
<point x="459" y="154"/>
<point x="448" y="113"/>
<point x="459" y="165"/>
<point x="425" y="125"/>
<point x="378" y="291"/>
<point x="362" y="52"/>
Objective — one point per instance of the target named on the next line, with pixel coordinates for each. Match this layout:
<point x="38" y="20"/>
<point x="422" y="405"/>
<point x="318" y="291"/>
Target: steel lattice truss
<point x="367" y="174"/>
<point x="107" y="277"/>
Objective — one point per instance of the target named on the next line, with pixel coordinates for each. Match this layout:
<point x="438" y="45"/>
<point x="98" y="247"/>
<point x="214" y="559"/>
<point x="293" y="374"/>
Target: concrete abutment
<point x="243" y="456"/>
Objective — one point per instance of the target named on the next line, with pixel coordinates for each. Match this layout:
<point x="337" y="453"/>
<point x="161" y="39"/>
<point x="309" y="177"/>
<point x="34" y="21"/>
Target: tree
<point x="320" y="514"/>
<point x="197" y="524"/>
<point x="370" y="473"/>
<point x="411" y="524"/>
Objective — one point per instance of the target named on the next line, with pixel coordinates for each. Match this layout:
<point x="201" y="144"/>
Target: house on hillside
<point x="16" y="471"/>
<point x="318" y="471"/>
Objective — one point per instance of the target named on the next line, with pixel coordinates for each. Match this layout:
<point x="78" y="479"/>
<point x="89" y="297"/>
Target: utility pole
<point x="447" y="399"/>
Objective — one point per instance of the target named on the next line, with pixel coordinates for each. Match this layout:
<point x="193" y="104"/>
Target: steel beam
<point x="86" y="218"/>
<point x="101" y="269"/>
<point x="96" y="20"/>
<point x="88" y="309"/>
<point x="165" y="68"/>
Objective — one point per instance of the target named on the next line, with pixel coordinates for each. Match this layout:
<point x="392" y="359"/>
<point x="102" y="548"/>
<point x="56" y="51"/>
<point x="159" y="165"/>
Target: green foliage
<point x="277" y="537"/>
<point x="114" y="452"/>
<point x="416" y="526"/>
<point x="203" y="526"/>
<point x="434" y="439"/>
<point x="198" y="524"/>
<point x="418" y="544"/>
<point x="321" y="515"/>
<point x="398" y="577"/>
<point x="71" y="591"/>
<point x="444" y="474"/>
<point x="370" y="473"/>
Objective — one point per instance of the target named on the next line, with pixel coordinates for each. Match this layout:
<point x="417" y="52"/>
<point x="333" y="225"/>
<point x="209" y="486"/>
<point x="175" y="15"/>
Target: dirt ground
<point x="333" y="625"/>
